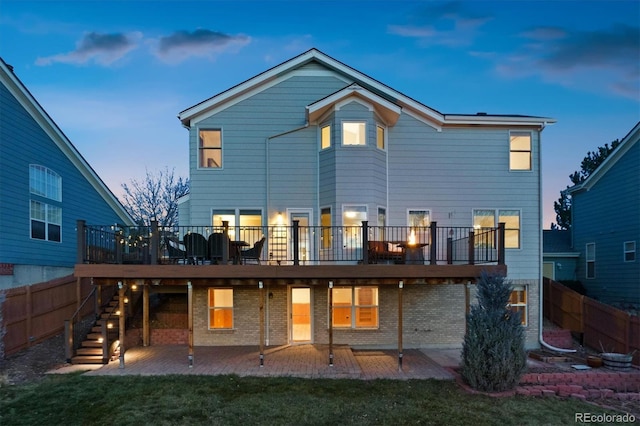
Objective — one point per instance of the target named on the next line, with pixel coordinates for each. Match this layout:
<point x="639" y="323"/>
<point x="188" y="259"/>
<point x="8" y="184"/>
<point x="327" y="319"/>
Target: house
<point x="605" y="226"/>
<point x="45" y="186"/>
<point x="372" y="214"/>
<point x="560" y="261"/>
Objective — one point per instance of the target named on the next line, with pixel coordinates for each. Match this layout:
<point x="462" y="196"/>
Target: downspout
<point x="540" y="251"/>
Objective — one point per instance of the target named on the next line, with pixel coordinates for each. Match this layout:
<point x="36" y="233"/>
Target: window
<point x="325" y="222"/>
<point x="325" y="137"/>
<point x="355" y="307"/>
<point x="249" y="222"/>
<point x="419" y="218"/>
<point x="380" y="137"/>
<point x="45" y="218"/>
<point x="630" y="251"/>
<point x="590" y="255"/>
<point x="518" y="302"/>
<point x="45" y="182"/>
<point x="486" y="219"/>
<point x="220" y="308"/>
<point x="210" y="149"/>
<point x="352" y="217"/>
<point x="354" y="133"/>
<point x="520" y="151"/>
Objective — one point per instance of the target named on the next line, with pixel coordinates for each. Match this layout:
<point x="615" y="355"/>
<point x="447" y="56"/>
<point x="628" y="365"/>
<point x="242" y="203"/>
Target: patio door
<point x="300" y="314"/>
<point x="305" y="242"/>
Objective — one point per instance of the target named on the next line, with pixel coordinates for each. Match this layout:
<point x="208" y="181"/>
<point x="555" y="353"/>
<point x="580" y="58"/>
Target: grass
<point x="231" y="400"/>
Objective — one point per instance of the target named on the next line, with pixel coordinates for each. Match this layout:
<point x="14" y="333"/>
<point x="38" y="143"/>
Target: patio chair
<point x="215" y="245"/>
<point x="196" y="246"/>
<point x="176" y="255"/>
<point x="253" y="253"/>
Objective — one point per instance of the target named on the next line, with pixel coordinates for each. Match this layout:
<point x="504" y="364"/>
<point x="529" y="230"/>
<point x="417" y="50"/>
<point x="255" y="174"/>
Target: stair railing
<point x="73" y="333"/>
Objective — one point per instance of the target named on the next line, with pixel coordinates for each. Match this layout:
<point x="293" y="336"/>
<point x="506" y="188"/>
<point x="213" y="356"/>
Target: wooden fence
<point x="31" y="314"/>
<point x="603" y="327"/>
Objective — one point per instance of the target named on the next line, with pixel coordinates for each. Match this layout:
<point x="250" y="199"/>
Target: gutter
<point x="540" y="277"/>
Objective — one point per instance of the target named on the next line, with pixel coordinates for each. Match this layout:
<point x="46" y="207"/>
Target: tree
<point x="589" y="164"/>
<point x="493" y="355"/>
<point x="155" y="198"/>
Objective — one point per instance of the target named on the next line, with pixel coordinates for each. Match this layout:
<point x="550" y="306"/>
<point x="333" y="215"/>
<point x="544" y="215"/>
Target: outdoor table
<point x="235" y="247"/>
<point x="414" y="255"/>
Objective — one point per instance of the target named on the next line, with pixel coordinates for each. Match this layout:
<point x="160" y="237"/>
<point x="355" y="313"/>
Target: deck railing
<point x="291" y="245"/>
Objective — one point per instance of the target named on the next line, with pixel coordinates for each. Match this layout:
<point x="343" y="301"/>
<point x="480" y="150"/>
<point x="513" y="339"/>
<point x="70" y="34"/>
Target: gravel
<point x="31" y="364"/>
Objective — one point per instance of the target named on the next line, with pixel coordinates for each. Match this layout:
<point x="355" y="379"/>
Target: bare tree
<point x="155" y="198"/>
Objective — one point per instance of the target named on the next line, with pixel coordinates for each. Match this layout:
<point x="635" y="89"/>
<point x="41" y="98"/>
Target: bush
<point x="493" y="355"/>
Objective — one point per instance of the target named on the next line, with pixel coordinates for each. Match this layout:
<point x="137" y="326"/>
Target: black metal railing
<point x="290" y="245"/>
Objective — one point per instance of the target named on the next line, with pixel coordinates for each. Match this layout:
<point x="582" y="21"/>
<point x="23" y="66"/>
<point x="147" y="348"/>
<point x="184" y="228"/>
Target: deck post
<point x="122" y="323"/>
<point x="330" y="321"/>
<point x="365" y="242"/>
<point x="261" y="306"/>
<point x="433" y="243"/>
<point x="471" y="248"/>
<point x="154" y="247"/>
<point x="81" y="241"/>
<point x="190" y="321"/>
<point x="68" y="337"/>
<point x="501" y="238"/>
<point x="145" y="314"/>
<point x="225" y="242"/>
<point x="296" y="242"/>
<point x="400" y="286"/>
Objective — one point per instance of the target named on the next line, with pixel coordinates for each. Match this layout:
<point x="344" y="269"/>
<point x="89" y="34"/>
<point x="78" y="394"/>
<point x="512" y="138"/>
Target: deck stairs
<point x="91" y="350"/>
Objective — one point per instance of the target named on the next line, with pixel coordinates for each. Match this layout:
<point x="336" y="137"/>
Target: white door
<point x="305" y="242"/>
<point x="300" y="311"/>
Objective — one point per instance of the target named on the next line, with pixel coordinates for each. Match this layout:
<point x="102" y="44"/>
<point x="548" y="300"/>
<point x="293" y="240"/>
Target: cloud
<point x="448" y="24"/>
<point x="577" y="58"/>
<point x="205" y="43"/>
<point x="103" y="49"/>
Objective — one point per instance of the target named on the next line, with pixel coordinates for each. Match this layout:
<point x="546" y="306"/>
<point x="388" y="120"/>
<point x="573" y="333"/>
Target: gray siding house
<point x="45" y="187"/>
<point x="605" y="226"/>
<point x="317" y="143"/>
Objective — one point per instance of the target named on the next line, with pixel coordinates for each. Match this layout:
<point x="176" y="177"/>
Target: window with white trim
<point x="352" y="217"/>
<point x="45" y="207"/>
<point x="590" y="257"/>
<point x="325" y="137"/>
<point x="354" y="133"/>
<point x="489" y="218"/>
<point x="520" y="151"/>
<point x="380" y="137"/>
<point x="518" y="302"/>
<point x="355" y="307"/>
<point x="325" y="222"/>
<point x="210" y="148"/>
<point x="220" y="304"/>
<point x="629" y="251"/>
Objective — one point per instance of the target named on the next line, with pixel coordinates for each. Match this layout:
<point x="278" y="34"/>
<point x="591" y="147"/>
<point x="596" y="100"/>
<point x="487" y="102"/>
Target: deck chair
<point x="176" y="255"/>
<point x="196" y="246"/>
<point x="253" y="253"/>
<point x="215" y="245"/>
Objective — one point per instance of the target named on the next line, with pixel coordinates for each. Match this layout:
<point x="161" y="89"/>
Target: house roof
<point x="192" y="115"/>
<point x="556" y="241"/>
<point x="31" y="105"/>
<point x="625" y="145"/>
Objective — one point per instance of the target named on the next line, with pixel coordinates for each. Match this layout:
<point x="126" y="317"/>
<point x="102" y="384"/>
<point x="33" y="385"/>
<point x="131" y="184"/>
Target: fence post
<point x="296" y="242"/>
<point x="365" y="242"/>
<point x="81" y="241"/>
<point x="155" y="242"/>
<point x="433" y="254"/>
<point x="471" y="247"/>
<point x="501" y="239"/>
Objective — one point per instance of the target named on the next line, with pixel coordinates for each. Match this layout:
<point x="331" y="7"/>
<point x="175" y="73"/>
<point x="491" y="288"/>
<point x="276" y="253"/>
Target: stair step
<point x="89" y="351"/>
<point x="98" y="328"/>
<point x="87" y="359"/>
<point x="94" y="336"/>
<point x="91" y="344"/>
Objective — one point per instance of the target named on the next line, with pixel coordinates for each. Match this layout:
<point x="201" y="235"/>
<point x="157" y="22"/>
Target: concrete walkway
<point x="307" y="361"/>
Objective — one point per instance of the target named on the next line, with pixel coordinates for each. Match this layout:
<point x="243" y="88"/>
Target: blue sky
<point x="114" y="75"/>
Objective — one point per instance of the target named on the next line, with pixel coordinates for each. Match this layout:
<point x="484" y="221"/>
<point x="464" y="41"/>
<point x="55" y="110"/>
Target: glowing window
<point x="354" y="133"/>
<point x="220" y="308"/>
<point x="520" y="151"/>
<point x="210" y="149"/>
<point x="355" y="307"/>
<point x="325" y="137"/>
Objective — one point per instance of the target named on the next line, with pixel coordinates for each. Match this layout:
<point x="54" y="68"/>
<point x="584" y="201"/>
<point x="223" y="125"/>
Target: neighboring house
<point x="45" y="187"/>
<point x="301" y="155"/>
<point x="560" y="261"/>
<point x="605" y="226"/>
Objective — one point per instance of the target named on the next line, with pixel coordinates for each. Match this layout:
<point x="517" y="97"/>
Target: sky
<point x="114" y="75"/>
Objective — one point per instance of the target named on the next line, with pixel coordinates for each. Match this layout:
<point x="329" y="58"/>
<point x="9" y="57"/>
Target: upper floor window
<point x="210" y="149"/>
<point x="325" y="137"/>
<point x="46" y="221"/>
<point x="590" y="256"/>
<point x="45" y="182"/>
<point x="520" y="151"/>
<point x="489" y="218"/>
<point x="354" y="133"/>
<point x="629" y="251"/>
<point x="380" y="142"/>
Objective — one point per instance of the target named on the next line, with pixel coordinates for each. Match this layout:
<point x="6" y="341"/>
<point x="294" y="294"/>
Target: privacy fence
<point x="603" y="327"/>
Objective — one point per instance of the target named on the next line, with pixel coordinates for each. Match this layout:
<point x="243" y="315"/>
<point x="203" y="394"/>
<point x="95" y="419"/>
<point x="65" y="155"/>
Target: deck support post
<point x="122" y="323"/>
<point x="400" y="286"/>
<point x="261" y="307"/>
<point x="190" y="321"/>
<point x="330" y="321"/>
<point x="145" y="314"/>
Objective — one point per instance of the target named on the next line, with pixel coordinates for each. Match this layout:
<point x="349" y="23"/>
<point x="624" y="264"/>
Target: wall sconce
<point x="279" y="219"/>
<point x="270" y="295"/>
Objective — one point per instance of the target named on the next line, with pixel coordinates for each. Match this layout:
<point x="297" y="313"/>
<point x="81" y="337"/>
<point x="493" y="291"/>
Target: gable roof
<point x="408" y="105"/>
<point x="31" y="105"/>
<point x="625" y="145"/>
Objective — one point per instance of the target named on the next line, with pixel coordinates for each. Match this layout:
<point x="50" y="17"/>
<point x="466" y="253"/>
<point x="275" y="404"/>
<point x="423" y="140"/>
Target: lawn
<point x="231" y="400"/>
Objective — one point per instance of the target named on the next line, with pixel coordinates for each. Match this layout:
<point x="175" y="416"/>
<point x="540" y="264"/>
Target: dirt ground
<point x="31" y="364"/>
